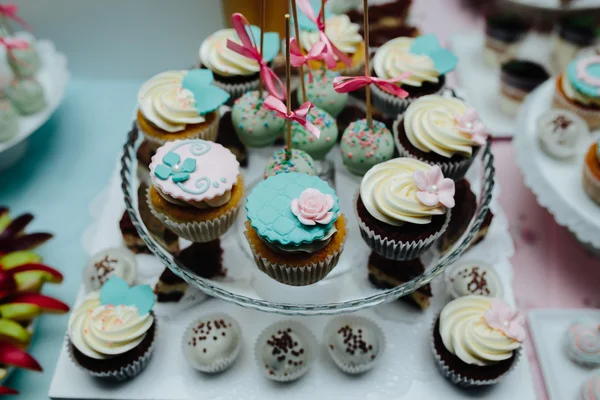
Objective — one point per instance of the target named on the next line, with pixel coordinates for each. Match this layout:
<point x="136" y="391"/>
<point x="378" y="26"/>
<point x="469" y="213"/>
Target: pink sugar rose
<point x="434" y="188"/>
<point x="313" y="207"/>
<point x="502" y="318"/>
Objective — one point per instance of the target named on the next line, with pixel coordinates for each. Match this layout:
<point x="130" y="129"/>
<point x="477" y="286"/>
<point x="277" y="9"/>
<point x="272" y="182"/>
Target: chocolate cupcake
<point x="573" y="35"/>
<point x="462" y="214"/>
<point x="504" y="34"/>
<point x="517" y="80"/>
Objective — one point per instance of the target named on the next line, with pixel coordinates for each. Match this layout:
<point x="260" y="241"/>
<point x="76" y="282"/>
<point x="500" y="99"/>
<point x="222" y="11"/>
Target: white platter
<point x="481" y="84"/>
<point x="556" y="4"/>
<point x="54" y="77"/>
<point x="556" y="184"/>
<point x="563" y="378"/>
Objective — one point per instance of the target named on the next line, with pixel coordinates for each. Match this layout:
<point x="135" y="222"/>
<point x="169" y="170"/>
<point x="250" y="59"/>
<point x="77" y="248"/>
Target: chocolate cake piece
<point x="483" y="229"/>
<point x="462" y="214"/>
<point x="388" y="274"/>
<point x="203" y="259"/>
<point x="144" y="155"/>
<point x="229" y="139"/>
<point x="132" y="240"/>
<point x="164" y="237"/>
<point x="170" y="288"/>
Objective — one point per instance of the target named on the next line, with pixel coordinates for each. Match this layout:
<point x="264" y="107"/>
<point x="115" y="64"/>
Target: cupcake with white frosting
<point x="427" y="63"/>
<point x="477" y="340"/>
<point x="441" y="131"/>
<point x="182" y="104"/>
<point x="113" y="331"/>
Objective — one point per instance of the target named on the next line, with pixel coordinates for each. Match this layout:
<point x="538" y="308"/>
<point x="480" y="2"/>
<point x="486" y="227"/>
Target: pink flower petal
<point x="447" y="185"/>
<point x="446" y="199"/>
<point x="427" y="199"/>
<point x="329" y="201"/>
<point x="420" y="180"/>
<point x="434" y="175"/>
<point x="295" y="207"/>
<point x="471" y="115"/>
<point x="326" y="219"/>
<point x="306" y="221"/>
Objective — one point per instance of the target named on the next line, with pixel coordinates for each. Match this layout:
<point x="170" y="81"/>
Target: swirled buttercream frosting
<point x="340" y="30"/>
<point x="215" y="55"/>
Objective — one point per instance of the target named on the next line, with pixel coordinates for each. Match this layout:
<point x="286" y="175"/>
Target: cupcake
<point x="504" y="35"/>
<point x="462" y="215"/>
<point x="116" y="311"/>
<point x="197" y="188"/>
<point x="212" y="344"/>
<point x="255" y="125"/>
<point x="477" y="340"/>
<point x="574" y="34"/>
<point x="27" y="95"/>
<point x="582" y="343"/>
<point x="591" y="173"/>
<point x="578" y="89"/>
<point x="295" y="228"/>
<point x="560" y="132"/>
<point x="9" y="120"/>
<point x="590" y="390"/>
<point x="176" y="105"/>
<point x="107" y="263"/>
<point x="320" y="92"/>
<point x="354" y="343"/>
<point x="233" y="72"/>
<point x="285" y="350"/>
<point x="306" y="141"/>
<point x="423" y="57"/>
<point x="299" y="162"/>
<point x="441" y="131"/>
<point x="517" y="79"/>
<point x="473" y="278"/>
<point x="403" y="207"/>
<point x="363" y="147"/>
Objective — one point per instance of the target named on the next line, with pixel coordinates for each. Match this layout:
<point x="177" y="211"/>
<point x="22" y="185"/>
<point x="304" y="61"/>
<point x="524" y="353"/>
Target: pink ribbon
<point x="276" y="105"/>
<point x="297" y="58"/>
<point x="11" y="44"/>
<point x="330" y="50"/>
<point x="345" y="84"/>
<point x="10" y="11"/>
<point x="248" y="49"/>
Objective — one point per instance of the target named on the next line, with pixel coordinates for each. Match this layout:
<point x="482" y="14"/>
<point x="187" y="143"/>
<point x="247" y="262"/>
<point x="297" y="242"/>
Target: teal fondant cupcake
<point x="320" y="92"/>
<point x="299" y="162"/>
<point x="362" y="147"/>
<point x="255" y="125"/>
<point x="304" y="140"/>
<point x="27" y="95"/>
<point x="295" y="228"/>
<point x="9" y="121"/>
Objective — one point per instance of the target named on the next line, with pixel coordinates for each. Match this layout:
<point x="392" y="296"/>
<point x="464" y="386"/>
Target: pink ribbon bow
<point x="10" y="11"/>
<point x="276" y="105"/>
<point x="297" y="58"/>
<point x="345" y="84"/>
<point x="248" y="49"/>
<point x="330" y="50"/>
<point x="11" y="44"/>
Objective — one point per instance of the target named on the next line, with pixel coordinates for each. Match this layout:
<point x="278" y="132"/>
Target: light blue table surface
<point x="68" y="162"/>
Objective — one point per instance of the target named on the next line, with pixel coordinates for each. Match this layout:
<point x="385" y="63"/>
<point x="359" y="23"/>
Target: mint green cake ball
<point x="24" y="62"/>
<point x="255" y="125"/>
<point x="9" y="121"/>
<point x="321" y="93"/>
<point x="304" y="140"/>
<point x="300" y="162"/>
<point x="362" y="147"/>
<point x="26" y="95"/>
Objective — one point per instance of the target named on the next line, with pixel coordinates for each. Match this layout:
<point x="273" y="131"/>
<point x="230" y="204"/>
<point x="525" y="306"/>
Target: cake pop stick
<point x="288" y="100"/>
<point x="262" y="43"/>
<point x="323" y="12"/>
<point x="367" y="68"/>
<point x="297" y="32"/>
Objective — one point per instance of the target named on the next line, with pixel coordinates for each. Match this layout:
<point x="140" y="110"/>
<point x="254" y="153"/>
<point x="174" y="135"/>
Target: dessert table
<point x="72" y="156"/>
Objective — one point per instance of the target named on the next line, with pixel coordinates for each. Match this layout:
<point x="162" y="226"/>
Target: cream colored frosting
<point x="166" y="104"/>
<point x="340" y="30"/>
<point x="105" y="331"/>
<point x="465" y="333"/>
<point x="215" y="55"/>
<point x="430" y="125"/>
<point x="574" y="94"/>
<point x="395" y="58"/>
<point x="389" y="193"/>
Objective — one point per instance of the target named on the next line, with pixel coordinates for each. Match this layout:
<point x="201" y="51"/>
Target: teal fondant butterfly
<point x="272" y="42"/>
<point x="207" y="96"/>
<point x="171" y="167"/>
<point x="444" y="60"/>
<point x="117" y="292"/>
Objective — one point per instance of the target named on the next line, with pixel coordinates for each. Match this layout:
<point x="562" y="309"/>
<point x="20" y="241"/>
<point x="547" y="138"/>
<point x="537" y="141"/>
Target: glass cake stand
<point x="346" y="289"/>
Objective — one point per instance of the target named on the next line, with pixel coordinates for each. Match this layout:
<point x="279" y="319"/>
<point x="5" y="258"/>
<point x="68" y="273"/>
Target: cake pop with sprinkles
<point x="299" y="162"/>
<point x="320" y="92"/>
<point x="317" y="148"/>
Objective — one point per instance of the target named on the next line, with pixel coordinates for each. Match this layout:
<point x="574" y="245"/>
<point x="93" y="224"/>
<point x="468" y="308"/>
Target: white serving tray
<point x="556" y="4"/>
<point x="556" y="184"/>
<point x="563" y="378"/>
<point x="481" y="84"/>
<point x="406" y="371"/>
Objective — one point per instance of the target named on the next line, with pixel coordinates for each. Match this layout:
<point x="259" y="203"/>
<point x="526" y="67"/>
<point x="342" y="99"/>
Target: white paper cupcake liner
<point x="592" y="117"/>
<point x="591" y="184"/>
<point x="224" y="362"/>
<point x="310" y="348"/>
<point x="392" y="105"/>
<point x="209" y="133"/>
<point x="330" y="331"/>
<point x="453" y="170"/>
<point x="394" y="250"/>
<point x="124" y="373"/>
<point x="199" y="232"/>
<point x="297" y="276"/>
<point x="236" y="90"/>
<point x="460" y="380"/>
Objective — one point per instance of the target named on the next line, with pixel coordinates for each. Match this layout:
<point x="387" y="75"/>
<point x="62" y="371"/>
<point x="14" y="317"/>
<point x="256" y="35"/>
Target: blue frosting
<point x="207" y="96"/>
<point x="272" y="42"/>
<point x="444" y="60"/>
<point x="268" y="208"/>
<point x="117" y="292"/>
<point x="581" y="86"/>
<point x="306" y="24"/>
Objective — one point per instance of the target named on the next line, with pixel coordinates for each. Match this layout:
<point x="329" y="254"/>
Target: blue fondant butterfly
<point x="272" y="42"/>
<point x="444" y="60"/>
<point x="171" y="167"/>
<point x="117" y="292"/>
<point x="208" y="97"/>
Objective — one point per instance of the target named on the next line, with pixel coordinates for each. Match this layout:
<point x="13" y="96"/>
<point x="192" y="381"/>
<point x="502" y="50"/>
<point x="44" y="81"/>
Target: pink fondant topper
<point x="502" y="318"/>
<point x="330" y="51"/>
<point x="297" y="58"/>
<point x="434" y="188"/>
<point x="276" y="105"/>
<point x="470" y="124"/>
<point x="345" y="84"/>
<point x="313" y="207"/>
<point x="249" y="49"/>
<point x="10" y="10"/>
<point x="583" y="74"/>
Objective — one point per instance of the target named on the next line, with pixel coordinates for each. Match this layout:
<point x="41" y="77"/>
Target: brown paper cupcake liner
<point x="293" y="275"/>
<point x="392" y="105"/>
<point x="591" y="184"/>
<point x="236" y="90"/>
<point x="209" y="133"/>
<point x="199" y="232"/>
<point x="592" y="117"/>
